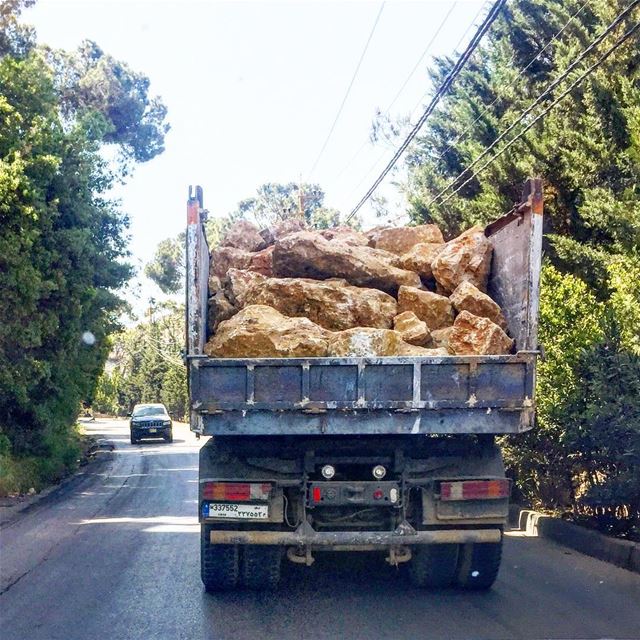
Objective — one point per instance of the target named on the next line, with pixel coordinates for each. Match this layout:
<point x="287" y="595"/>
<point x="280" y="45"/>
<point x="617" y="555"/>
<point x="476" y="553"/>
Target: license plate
<point x="238" y="511"/>
<point x="152" y="430"/>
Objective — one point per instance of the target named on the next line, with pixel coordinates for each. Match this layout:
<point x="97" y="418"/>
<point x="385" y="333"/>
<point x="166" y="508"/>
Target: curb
<point x="622" y="553"/>
<point x="9" y="513"/>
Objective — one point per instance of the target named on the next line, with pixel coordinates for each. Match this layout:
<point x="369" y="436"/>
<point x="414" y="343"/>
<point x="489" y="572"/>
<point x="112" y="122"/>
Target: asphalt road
<point x="114" y="555"/>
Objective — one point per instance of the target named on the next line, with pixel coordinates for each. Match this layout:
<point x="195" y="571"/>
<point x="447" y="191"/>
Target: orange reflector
<point x="475" y="490"/>
<point x="236" y="491"/>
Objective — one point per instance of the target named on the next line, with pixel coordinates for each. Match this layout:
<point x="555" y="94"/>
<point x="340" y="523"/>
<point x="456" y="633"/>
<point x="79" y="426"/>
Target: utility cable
<point x="467" y="129"/>
<point x="399" y="93"/>
<point x="346" y="95"/>
<point x="573" y="85"/>
<point x="451" y="76"/>
<point x="619" y="18"/>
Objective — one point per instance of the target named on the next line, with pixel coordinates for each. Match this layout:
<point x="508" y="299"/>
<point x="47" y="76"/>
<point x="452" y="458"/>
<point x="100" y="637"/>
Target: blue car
<point x="150" y="421"/>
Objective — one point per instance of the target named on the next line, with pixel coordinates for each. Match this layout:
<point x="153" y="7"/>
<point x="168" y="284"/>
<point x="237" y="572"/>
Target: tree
<point x="63" y="244"/>
<point x="586" y="148"/>
<point x="273" y="202"/>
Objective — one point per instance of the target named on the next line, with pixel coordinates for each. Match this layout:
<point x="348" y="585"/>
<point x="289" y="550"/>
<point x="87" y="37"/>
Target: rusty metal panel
<point x="384" y="383"/>
<point x="448" y="382"/>
<point x="333" y="384"/>
<point x="278" y="384"/>
<point x="515" y="270"/>
<point x="505" y="382"/>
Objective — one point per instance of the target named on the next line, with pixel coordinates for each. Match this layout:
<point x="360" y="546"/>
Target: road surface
<point x="114" y="555"/>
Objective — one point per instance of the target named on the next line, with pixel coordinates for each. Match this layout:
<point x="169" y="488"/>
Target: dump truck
<point x="395" y="455"/>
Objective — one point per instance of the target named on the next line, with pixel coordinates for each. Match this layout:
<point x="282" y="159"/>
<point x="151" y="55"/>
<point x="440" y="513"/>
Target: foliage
<point x="62" y="247"/>
<point x="273" y="202"/>
<point x="166" y="268"/>
<point x="587" y="149"/>
<point x="145" y="365"/>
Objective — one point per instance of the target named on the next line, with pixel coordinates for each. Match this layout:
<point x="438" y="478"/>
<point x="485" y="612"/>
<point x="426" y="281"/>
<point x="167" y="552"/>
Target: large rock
<point x="430" y="307"/>
<point x="225" y="258"/>
<point x="399" y="240"/>
<point x="308" y="254"/>
<point x="218" y="308"/>
<point x="473" y="335"/>
<point x="440" y="337"/>
<point x="371" y="343"/>
<point x="262" y="262"/>
<point x="332" y="304"/>
<point x="243" y="235"/>
<point x="282" y="229"/>
<point x="413" y="330"/>
<point x="469" y="298"/>
<point x="347" y="235"/>
<point x="466" y="258"/>
<point x="259" y="331"/>
<point x="420" y="257"/>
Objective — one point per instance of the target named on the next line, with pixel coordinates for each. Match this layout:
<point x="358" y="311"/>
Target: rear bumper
<point x="307" y="537"/>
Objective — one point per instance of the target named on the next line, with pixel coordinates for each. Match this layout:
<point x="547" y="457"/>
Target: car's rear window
<point x="149" y="411"/>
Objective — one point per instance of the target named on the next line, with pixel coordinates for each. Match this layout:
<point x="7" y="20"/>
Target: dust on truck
<point x="394" y="454"/>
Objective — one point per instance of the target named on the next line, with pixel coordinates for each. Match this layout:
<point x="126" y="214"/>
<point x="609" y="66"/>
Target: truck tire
<point x="134" y="440"/>
<point x="478" y="565"/>
<point x="433" y="566"/>
<point x="260" y="566"/>
<point x="169" y="437"/>
<point x="218" y="563"/>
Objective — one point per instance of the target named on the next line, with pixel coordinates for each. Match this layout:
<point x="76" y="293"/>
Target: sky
<point x="253" y="88"/>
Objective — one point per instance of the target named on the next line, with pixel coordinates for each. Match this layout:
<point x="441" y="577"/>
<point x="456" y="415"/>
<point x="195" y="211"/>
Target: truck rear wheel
<point x="218" y="563"/>
<point x="260" y="566"/>
<point x="478" y="565"/>
<point x="433" y="566"/>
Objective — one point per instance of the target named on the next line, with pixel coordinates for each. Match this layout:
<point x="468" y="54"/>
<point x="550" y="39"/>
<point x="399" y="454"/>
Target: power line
<point x="399" y="93"/>
<point x="619" y="18"/>
<point x="573" y="85"/>
<point x="481" y="10"/>
<point x="451" y="76"/>
<point x="512" y="83"/>
<point x="346" y="95"/>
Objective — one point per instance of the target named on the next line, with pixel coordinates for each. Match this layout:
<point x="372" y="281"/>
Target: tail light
<point x="236" y="491"/>
<point x="475" y="490"/>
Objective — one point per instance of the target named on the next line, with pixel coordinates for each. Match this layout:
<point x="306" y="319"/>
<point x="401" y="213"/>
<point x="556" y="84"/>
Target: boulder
<point x="362" y="342"/>
<point x="243" y="235"/>
<point x="440" y="337"/>
<point x="308" y="254"/>
<point x="469" y="298"/>
<point x="466" y="258"/>
<point x="434" y="309"/>
<point x="258" y="331"/>
<point x="219" y="310"/>
<point x="262" y="262"/>
<point x="347" y="235"/>
<point x="332" y="304"/>
<point x="282" y="229"/>
<point x="420" y="257"/>
<point x="473" y="335"/>
<point x="225" y="258"/>
<point x="399" y="240"/>
<point x="413" y="330"/>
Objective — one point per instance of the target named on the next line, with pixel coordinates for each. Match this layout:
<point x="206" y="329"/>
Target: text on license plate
<point x="152" y="430"/>
<point x="243" y="511"/>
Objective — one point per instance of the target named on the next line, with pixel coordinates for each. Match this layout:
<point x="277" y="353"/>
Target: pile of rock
<point x="287" y="291"/>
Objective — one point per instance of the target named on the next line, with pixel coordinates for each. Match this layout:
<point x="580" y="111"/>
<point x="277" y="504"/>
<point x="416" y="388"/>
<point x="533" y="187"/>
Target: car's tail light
<point x="475" y="490"/>
<point x="236" y="491"/>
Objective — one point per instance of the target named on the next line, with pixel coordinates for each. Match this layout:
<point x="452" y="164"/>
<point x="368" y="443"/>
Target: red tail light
<point x="236" y="491"/>
<point x="475" y="490"/>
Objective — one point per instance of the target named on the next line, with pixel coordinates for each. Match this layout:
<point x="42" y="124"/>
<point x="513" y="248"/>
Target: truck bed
<point x="400" y="395"/>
